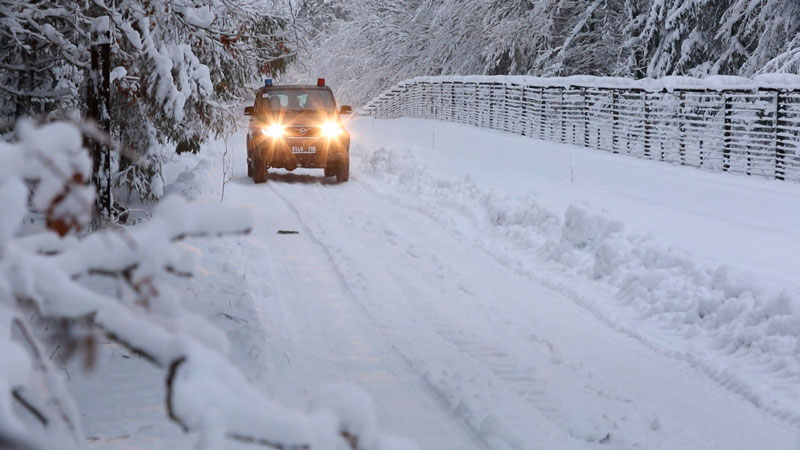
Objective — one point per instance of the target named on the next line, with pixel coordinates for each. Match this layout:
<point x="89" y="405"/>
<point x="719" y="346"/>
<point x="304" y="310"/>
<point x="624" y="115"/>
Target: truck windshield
<point x="297" y="100"/>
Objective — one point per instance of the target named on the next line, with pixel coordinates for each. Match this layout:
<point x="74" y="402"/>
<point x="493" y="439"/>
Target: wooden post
<point x="586" y="120"/>
<point x="542" y="112"/>
<point x="682" y="129"/>
<point x="780" y="140"/>
<point x="99" y="108"/>
<point x="453" y="109"/>
<point x="504" y="109"/>
<point x="615" y="121"/>
<point x="490" y="118"/>
<point x="561" y="114"/>
<point x="477" y="108"/>
<point x="523" y="116"/>
<point x="648" y="127"/>
<point x="726" y="150"/>
<point x="700" y="152"/>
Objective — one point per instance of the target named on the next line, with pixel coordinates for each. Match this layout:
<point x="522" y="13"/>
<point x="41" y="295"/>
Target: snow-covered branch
<point x="50" y="275"/>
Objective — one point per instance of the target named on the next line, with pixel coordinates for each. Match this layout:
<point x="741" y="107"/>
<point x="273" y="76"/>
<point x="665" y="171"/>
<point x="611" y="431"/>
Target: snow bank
<point x="741" y="330"/>
<point x="739" y="313"/>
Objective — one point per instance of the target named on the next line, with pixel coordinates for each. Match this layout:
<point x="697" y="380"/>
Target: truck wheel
<point x="343" y="170"/>
<point x="259" y="169"/>
<point x="249" y="166"/>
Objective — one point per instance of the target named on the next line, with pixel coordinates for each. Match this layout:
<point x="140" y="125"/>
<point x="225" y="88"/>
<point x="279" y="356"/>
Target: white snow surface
<point x="490" y="291"/>
<point x="714" y="82"/>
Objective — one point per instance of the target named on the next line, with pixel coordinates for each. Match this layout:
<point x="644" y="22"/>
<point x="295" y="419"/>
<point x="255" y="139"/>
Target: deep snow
<point x="750" y="223"/>
<point x="491" y="291"/>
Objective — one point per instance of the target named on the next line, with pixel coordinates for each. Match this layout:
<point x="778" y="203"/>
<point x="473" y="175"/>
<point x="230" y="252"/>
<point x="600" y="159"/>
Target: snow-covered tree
<point x="381" y="42"/>
<point x="180" y="69"/>
<point x="553" y="37"/>
<point x="41" y="57"/>
<point x="759" y="36"/>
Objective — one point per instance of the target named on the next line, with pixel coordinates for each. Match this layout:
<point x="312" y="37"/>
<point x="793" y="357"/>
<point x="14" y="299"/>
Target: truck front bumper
<point x="310" y="152"/>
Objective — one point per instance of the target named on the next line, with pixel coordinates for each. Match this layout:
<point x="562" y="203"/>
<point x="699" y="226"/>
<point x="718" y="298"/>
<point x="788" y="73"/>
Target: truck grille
<point x="302" y="131"/>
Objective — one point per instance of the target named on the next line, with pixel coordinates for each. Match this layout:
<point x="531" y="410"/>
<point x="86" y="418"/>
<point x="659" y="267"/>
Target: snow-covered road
<point x="325" y="332"/>
<point x="395" y="286"/>
<point x="485" y="302"/>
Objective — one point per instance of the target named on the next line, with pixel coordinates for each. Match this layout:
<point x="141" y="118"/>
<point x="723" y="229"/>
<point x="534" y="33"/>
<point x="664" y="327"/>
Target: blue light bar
<point x="268" y="82"/>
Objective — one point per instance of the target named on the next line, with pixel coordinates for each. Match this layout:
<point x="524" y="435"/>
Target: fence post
<point x="444" y="110"/>
<point x="561" y="117"/>
<point x="726" y="150"/>
<point x="615" y="121"/>
<point x="648" y="127"/>
<point x="780" y="139"/>
<point x="573" y="124"/>
<point x="682" y="129"/>
<point x="505" y="108"/>
<point x="553" y="122"/>
<point x="476" y="109"/>
<point x="454" y="110"/>
<point x="490" y="118"/>
<point x="523" y="116"/>
<point x="412" y="97"/>
<point x="585" y="119"/>
<point x="542" y="112"/>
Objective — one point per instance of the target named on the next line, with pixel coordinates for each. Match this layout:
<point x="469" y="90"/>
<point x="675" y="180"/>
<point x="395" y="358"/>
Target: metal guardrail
<point x="753" y="130"/>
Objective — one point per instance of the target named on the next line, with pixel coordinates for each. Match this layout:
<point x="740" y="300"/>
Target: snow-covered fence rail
<point x="734" y="124"/>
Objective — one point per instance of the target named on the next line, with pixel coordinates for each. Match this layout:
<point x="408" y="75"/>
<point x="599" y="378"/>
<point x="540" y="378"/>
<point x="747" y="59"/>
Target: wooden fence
<point x="750" y="130"/>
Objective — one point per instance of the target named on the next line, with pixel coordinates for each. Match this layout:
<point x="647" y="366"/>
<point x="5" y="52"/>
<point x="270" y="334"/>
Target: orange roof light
<point x="320" y="82"/>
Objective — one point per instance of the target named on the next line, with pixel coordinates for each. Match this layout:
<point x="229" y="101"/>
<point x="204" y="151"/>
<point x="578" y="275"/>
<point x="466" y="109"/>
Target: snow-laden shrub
<point x="57" y="275"/>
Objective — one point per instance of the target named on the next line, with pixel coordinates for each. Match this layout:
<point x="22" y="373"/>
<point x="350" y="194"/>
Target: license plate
<point x="304" y="149"/>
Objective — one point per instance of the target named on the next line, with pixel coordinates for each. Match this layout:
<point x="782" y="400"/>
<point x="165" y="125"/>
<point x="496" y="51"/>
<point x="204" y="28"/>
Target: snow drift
<point x="742" y="330"/>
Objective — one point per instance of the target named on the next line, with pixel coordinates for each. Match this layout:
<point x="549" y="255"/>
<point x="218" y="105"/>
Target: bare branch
<point x="29" y="406"/>
<point x="173" y="371"/>
<point x="44" y="367"/>
<point x="266" y="443"/>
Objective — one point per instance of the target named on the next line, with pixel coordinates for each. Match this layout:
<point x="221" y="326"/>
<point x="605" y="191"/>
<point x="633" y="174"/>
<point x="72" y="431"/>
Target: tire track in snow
<point x="439" y="396"/>
<point x="503" y="371"/>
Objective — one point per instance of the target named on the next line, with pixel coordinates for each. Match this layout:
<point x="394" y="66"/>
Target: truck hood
<point x="291" y="118"/>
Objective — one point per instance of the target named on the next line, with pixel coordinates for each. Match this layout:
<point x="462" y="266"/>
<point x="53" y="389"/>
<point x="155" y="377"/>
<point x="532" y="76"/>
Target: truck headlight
<point x="331" y="129"/>
<point x="274" y="130"/>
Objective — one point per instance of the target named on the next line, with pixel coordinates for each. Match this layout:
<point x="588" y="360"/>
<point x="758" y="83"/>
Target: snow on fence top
<point x="670" y="83"/>
<point x="725" y="123"/>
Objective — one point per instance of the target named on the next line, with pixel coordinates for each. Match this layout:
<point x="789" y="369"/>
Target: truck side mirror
<point x="248" y="110"/>
<point x="345" y="110"/>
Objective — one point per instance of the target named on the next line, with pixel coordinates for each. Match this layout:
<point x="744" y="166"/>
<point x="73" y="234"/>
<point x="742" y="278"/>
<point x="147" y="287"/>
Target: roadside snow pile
<point x="741" y="331"/>
<point x="737" y="314"/>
